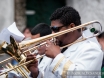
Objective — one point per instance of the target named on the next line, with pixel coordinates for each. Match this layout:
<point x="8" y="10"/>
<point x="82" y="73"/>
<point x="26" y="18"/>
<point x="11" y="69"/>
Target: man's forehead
<point x="56" y="23"/>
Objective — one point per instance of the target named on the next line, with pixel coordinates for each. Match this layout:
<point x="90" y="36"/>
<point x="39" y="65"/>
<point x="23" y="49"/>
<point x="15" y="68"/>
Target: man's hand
<point x="52" y="50"/>
<point x="33" y="66"/>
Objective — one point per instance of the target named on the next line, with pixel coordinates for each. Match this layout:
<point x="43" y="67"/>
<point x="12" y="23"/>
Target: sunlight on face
<point x="35" y="36"/>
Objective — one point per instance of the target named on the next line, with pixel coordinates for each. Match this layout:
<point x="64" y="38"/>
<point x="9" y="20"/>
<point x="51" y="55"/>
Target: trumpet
<point x="22" y="69"/>
<point x="20" y="55"/>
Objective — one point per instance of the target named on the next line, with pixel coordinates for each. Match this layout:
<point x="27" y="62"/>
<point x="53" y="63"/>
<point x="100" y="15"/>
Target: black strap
<point x="62" y="51"/>
<point x="40" y="60"/>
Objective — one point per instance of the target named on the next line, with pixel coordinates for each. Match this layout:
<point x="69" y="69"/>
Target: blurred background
<point x="28" y="13"/>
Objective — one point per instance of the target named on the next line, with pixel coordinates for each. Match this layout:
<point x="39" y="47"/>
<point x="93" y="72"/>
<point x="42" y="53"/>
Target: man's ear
<point x="72" y="25"/>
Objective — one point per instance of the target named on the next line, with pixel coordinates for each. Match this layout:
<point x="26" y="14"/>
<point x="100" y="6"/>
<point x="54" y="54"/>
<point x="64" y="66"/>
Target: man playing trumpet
<point x="85" y="56"/>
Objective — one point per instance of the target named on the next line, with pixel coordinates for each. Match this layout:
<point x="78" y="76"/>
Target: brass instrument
<point x="22" y="69"/>
<point x="15" y="50"/>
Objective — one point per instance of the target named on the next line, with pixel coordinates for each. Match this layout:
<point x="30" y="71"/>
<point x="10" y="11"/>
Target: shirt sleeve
<point x="90" y="59"/>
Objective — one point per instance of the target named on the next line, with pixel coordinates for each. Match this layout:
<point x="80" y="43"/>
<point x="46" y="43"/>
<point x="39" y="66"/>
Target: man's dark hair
<point x="42" y="29"/>
<point x="66" y="16"/>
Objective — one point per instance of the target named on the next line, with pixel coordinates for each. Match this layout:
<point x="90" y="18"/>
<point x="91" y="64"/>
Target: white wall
<point x="6" y="13"/>
<point x="89" y="9"/>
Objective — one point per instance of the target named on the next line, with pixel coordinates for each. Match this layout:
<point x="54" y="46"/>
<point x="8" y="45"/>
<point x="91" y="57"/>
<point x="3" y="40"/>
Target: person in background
<point x="27" y="32"/>
<point x="101" y="41"/>
<point x="41" y="30"/>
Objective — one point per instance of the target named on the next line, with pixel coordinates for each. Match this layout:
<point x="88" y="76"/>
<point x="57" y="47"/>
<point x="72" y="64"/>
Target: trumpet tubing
<point x="18" y="70"/>
<point x="37" y="41"/>
<point x="20" y="65"/>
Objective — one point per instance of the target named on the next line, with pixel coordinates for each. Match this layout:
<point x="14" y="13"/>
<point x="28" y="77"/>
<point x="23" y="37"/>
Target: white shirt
<point x="44" y="63"/>
<point x="83" y="56"/>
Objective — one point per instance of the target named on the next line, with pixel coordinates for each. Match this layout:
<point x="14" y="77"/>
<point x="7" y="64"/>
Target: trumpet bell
<point x="10" y="49"/>
<point x="14" y="43"/>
